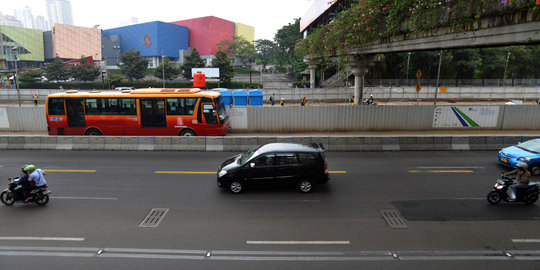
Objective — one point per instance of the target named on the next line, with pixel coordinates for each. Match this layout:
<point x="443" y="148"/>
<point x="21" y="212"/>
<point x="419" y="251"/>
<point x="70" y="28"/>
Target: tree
<point x="166" y="69"/>
<point x="226" y="71"/>
<point x="193" y="60"/>
<point x="286" y="39"/>
<point x="240" y="48"/>
<point x="113" y="79"/>
<point x="30" y="76"/>
<point x="266" y="51"/>
<point x="84" y="71"/>
<point x="133" y="65"/>
<point x="56" y="70"/>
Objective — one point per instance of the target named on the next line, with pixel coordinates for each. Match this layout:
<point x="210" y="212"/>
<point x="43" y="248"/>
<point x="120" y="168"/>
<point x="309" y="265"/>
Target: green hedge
<point x="142" y="84"/>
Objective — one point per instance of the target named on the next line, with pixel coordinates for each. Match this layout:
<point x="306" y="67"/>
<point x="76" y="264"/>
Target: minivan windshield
<point x="245" y="157"/>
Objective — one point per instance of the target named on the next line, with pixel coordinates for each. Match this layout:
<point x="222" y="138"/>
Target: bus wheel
<point x="93" y="132"/>
<point x="187" y="132"/>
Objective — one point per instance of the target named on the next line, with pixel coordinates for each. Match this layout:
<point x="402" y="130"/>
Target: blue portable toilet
<point x="256" y="97"/>
<point x="240" y="98"/>
<point x="226" y="96"/>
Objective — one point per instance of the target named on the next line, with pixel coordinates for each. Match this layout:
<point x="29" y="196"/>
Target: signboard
<point x="418" y="87"/>
<point x="418" y="74"/>
<point x="208" y="72"/>
<point x="465" y="116"/>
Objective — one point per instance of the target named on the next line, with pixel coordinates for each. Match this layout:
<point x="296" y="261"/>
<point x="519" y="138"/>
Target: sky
<point x="266" y="16"/>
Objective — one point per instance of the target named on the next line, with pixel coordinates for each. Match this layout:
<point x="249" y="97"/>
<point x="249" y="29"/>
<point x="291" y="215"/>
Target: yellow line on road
<point x="83" y="171"/>
<point x="337" y="171"/>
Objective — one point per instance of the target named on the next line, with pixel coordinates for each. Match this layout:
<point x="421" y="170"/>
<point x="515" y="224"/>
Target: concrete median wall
<point x="243" y="143"/>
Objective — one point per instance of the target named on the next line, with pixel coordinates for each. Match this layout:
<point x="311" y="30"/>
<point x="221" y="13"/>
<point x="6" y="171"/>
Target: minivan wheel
<point x="236" y="187"/>
<point x="305" y="186"/>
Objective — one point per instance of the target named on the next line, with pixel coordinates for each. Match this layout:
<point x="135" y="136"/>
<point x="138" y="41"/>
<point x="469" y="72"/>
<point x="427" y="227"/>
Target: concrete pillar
<point x="359" y="67"/>
<point x="312" y="68"/>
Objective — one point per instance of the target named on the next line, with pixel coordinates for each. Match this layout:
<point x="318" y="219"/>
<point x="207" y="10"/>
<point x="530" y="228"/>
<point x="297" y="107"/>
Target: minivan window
<point x="283" y="159"/>
<point x="265" y="160"/>
<point x="308" y="158"/>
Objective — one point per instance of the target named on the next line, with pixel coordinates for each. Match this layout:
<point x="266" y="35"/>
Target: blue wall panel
<point x="152" y="38"/>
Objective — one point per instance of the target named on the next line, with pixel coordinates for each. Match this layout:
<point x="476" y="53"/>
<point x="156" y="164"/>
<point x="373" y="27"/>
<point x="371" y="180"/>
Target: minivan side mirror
<point x="252" y="164"/>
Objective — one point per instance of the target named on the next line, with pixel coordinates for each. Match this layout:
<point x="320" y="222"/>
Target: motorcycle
<point x="14" y="193"/>
<point x="503" y="186"/>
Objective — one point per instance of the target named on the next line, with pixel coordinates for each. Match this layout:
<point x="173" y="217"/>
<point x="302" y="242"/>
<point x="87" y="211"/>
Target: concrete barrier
<point x="162" y="143"/>
<point x="240" y="144"/>
<point x="146" y="143"/>
<point x="4" y="142"/>
<point x="214" y="143"/>
<point x="130" y="143"/>
<point x="81" y="142"/>
<point x="32" y="142"/>
<point x="64" y="143"/>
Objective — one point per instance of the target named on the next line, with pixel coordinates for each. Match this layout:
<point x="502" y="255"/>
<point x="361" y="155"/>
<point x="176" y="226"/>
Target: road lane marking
<point x="244" y="255"/>
<point x="84" y="198"/>
<point x="526" y="240"/>
<point x="281" y="201"/>
<point x="32" y="238"/>
<point x="213" y="172"/>
<point x="298" y="242"/>
<point x="442" y="171"/>
<point x="60" y="170"/>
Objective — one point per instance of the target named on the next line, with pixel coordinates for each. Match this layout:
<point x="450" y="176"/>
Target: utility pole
<point x="14" y="49"/>
<point x="438" y="75"/>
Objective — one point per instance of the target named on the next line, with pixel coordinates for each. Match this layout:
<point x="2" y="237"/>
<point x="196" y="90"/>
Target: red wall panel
<point x="206" y="32"/>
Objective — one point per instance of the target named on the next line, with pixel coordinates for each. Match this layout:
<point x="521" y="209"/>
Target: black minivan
<point x="275" y="164"/>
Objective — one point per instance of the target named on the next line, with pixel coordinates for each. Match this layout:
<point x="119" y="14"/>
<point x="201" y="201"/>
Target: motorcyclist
<point x="522" y="179"/>
<point x="35" y="177"/>
<point x="25" y="184"/>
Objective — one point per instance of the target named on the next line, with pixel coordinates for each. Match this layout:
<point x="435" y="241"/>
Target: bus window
<point x="181" y="106"/>
<point x="56" y="106"/>
<point x="75" y="112"/>
<point x="209" y="113"/>
<point x="127" y="106"/>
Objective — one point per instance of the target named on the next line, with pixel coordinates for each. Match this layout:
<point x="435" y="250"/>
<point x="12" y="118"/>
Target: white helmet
<point x="522" y="165"/>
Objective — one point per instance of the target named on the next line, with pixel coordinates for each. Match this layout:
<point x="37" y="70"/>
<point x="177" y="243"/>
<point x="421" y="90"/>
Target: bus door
<point x="75" y="113"/>
<point x="210" y="114"/>
<point x="153" y="113"/>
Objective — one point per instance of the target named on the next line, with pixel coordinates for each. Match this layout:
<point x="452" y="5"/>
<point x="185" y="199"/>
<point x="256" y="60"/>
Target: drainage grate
<point x="153" y="218"/>
<point x="393" y="218"/>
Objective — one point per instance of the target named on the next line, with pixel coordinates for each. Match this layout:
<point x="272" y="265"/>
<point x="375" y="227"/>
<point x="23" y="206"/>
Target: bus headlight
<point x="222" y="173"/>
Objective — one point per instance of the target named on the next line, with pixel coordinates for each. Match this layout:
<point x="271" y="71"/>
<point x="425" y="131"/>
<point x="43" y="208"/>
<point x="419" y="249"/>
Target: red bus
<point x="141" y="112"/>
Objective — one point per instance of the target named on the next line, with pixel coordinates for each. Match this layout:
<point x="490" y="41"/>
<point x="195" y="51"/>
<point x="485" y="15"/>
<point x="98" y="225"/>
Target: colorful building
<point x="153" y="40"/>
<point x="206" y="32"/>
<point x="245" y="31"/>
<point x="26" y="43"/>
<point x="72" y="42"/>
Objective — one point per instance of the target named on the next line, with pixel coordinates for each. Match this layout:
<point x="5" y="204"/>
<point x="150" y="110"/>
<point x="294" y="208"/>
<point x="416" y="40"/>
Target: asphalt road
<point x="101" y="199"/>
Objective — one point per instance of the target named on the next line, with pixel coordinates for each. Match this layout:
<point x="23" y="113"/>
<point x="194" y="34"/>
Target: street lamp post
<point x="14" y="49"/>
<point x="407" y="73"/>
<point x="163" y="69"/>
<point x="505" y="67"/>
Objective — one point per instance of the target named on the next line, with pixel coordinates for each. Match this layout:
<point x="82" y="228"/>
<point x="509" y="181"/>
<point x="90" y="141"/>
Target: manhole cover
<point x="393" y="218"/>
<point x="154" y="217"/>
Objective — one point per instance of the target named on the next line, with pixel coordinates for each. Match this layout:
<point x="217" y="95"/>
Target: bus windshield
<point x="222" y="113"/>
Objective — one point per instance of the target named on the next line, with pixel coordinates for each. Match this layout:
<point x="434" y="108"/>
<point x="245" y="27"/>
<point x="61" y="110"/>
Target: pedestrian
<point x="36" y="99"/>
<point x="282" y="102"/>
<point x="303" y="101"/>
<point x="272" y="99"/>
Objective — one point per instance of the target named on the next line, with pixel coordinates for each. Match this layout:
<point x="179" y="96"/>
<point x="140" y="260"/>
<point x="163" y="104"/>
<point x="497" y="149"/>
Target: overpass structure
<point x="506" y="28"/>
